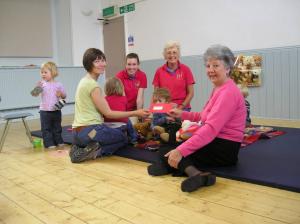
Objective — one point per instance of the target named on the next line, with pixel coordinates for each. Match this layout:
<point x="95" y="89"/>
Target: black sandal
<point x="195" y="182"/>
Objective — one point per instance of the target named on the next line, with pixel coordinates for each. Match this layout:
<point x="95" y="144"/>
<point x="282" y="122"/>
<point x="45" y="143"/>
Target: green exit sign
<point x="109" y="11"/>
<point x="127" y="8"/>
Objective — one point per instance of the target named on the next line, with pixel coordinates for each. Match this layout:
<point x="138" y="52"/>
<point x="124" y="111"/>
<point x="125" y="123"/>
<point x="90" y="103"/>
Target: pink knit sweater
<point x="223" y="116"/>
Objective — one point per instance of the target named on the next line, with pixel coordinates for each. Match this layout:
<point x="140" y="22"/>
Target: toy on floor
<point x="144" y="131"/>
<point x="257" y="130"/>
<point x="188" y="128"/>
<point x="253" y="134"/>
<point x="149" y="145"/>
<point x="167" y="133"/>
<point x="37" y="143"/>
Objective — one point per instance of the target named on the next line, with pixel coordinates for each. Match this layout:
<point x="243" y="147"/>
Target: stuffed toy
<point x="60" y="104"/>
<point x="36" y="91"/>
<point x="188" y="128"/>
<point x="257" y="60"/>
<point x="167" y="132"/>
<point x="143" y="129"/>
<point x="248" y="61"/>
<point x="255" y="75"/>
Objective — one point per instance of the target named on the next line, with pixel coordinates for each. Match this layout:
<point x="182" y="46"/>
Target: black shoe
<point x="195" y="182"/>
<point x="89" y="152"/>
<point x="178" y="173"/>
<point x="158" y="169"/>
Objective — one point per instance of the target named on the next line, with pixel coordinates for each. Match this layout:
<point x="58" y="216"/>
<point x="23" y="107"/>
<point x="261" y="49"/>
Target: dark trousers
<point x="51" y="127"/>
<point x="220" y="152"/>
<point x="110" y="139"/>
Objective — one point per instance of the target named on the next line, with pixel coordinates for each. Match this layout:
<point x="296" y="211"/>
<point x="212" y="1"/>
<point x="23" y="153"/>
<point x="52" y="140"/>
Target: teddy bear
<point x="256" y="76"/>
<point x="188" y="128"/>
<point x="143" y="129"/>
<point x="257" y="60"/>
<point x="167" y="132"/>
<point x="248" y="61"/>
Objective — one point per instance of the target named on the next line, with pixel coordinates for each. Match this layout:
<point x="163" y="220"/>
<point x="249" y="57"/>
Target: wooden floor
<point x="38" y="186"/>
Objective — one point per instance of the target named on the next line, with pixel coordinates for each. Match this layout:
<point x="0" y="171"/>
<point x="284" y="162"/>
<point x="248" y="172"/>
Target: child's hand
<point x="40" y="83"/>
<point x="170" y="119"/>
<point x="59" y="94"/>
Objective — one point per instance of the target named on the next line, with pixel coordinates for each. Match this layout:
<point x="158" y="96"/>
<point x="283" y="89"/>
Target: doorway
<point x="114" y="45"/>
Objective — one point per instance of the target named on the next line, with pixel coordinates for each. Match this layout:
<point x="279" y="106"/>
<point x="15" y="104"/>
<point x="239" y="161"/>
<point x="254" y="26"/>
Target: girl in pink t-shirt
<point x="52" y="95"/>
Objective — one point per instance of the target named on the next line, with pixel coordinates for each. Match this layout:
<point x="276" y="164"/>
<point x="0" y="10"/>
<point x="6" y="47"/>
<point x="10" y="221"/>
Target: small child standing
<point x="116" y="99"/>
<point x="245" y="92"/>
<point x="52" y="100"/>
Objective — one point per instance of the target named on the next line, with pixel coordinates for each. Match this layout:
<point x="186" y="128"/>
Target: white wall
<point x="197" y="24"/>
<point x="86" y="30"/>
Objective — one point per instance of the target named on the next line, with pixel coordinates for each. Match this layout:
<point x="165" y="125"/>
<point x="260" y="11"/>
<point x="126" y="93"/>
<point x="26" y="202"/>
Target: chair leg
<point x="5" y="131"/>
<point x="28" y="133"/>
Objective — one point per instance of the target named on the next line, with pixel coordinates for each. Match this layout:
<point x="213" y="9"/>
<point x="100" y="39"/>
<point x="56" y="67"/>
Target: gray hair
<point x="222" y="53"/>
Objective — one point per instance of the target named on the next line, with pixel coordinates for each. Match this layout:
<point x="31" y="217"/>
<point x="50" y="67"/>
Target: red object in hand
<point x="161" y="107"/>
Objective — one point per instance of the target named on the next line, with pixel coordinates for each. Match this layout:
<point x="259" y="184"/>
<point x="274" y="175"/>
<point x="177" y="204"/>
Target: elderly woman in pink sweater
<point x="217" y="141"/>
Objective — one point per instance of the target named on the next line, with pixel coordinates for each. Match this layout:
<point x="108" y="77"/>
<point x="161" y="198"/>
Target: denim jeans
<point x="110" y="139"/>
<point x="51" y="127"/>
<point x="131" y="132"/>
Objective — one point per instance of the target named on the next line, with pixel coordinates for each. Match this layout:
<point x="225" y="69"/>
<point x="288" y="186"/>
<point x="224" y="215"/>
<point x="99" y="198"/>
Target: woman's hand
<point x="174" y="157"/>
<point x="142" y="113"/>
<point x="176" y="113"/>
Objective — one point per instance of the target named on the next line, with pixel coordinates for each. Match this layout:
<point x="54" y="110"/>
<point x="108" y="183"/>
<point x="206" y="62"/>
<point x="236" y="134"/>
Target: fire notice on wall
<point x="130" y="41"/>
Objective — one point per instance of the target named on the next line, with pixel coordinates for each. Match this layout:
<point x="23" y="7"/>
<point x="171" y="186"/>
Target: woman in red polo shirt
<point x="176" y="77"/>
<point x="134" y="81"/>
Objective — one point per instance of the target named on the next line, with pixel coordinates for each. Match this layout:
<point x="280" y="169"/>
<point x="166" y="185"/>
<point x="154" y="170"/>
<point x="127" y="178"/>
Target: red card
<point x="161" y="107"/>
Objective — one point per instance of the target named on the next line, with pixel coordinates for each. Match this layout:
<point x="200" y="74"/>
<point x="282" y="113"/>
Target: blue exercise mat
<point x="272" y="162"/>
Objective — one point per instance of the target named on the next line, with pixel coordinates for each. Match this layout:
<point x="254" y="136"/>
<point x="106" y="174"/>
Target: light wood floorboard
<point x="39" y="186"/>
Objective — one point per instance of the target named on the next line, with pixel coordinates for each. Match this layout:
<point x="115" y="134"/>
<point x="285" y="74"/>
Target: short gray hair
<point x="222" y="53"/>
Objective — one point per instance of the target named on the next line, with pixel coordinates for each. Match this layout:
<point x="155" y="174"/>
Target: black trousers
<point x="220" y="152"/>
<point x="51" y="127"/>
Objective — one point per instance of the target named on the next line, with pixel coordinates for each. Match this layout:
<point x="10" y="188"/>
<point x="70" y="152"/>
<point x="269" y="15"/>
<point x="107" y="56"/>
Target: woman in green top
<point x="91" y="137"/>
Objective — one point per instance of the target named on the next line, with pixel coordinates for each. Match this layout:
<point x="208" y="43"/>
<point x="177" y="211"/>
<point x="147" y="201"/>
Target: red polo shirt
<point x="117" y="103"/>
<point x="132" y="85"/>
<point x="177" y="83"/>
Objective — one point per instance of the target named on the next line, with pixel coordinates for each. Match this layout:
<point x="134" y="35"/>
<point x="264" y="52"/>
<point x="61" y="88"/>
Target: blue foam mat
<point x="272" y="162"/>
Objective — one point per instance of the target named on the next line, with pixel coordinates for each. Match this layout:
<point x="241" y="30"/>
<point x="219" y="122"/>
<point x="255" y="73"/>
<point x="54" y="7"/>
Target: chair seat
<point x="16" y="116"/>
